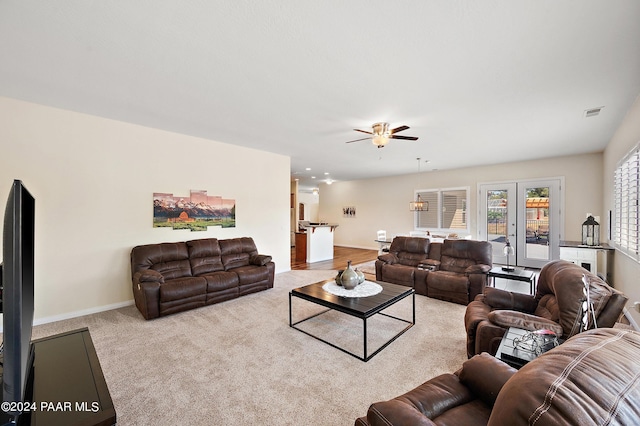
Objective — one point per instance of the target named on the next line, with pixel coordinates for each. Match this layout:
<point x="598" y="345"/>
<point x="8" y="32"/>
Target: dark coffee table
<point x="359" y="307"/>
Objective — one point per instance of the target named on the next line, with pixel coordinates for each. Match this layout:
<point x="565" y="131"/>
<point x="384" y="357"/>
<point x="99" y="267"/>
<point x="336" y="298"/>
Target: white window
<point x="447" y="211"/>
<point x="626" y="213"/>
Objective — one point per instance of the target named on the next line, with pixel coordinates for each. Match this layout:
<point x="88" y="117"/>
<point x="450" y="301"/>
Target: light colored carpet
<point x="367" y="267"/>
<point x="239" y="362"/>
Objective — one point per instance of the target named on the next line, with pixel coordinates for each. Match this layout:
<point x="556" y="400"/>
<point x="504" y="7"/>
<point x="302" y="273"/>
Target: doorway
<point x="528" y="214"/>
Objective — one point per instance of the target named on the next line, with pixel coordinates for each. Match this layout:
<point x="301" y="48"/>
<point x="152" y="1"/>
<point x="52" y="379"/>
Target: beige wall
<point x="384" y="203"/>
<point x="93" y="181"/>
<point x="626" y="270"/>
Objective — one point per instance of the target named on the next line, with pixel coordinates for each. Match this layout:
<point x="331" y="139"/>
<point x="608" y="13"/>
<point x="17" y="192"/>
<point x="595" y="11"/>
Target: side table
<point x="516" y="275"/>
<point x="518" y="355"/>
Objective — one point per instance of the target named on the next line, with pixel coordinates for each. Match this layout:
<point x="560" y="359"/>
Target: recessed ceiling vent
<point x="592" y="112"/>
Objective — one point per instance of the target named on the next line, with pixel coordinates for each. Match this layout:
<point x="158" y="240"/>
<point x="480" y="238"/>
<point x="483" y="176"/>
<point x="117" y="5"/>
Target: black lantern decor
<point x="591" y="232"/>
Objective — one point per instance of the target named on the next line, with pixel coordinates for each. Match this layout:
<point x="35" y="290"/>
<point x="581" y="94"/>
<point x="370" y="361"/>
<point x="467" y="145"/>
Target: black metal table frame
<point x="364" y="317"/>
<point x="509" y="275"/>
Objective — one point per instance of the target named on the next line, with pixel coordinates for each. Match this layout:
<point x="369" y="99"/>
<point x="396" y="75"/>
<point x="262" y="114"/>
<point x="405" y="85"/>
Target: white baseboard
<point x="357" y="247"/>
<point x="69" y="315"/>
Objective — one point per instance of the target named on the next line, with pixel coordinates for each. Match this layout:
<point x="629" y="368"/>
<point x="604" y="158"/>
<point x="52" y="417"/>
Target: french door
<point x="528" y="214"/>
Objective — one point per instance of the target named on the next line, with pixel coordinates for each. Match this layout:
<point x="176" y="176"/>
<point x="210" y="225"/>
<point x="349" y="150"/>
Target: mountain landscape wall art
<point x="195" y="212"/>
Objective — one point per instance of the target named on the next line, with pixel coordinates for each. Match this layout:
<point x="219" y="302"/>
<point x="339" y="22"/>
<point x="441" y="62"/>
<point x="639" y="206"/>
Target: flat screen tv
<point x="17" y="293"/>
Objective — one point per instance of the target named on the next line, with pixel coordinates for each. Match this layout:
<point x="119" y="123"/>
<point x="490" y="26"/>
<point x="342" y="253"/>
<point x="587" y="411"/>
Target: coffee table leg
<point x="414" y="308"/>
<point x="365" y="340"/>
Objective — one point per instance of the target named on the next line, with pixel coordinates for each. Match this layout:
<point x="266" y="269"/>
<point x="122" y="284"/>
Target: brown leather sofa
<point x="174" y="277"/>
<point x="454" y="270"/>
<point x="557" y="305"/>
<point x="591" y="379"/>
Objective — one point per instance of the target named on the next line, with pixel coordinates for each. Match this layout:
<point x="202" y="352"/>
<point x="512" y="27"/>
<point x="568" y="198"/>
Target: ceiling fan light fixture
<point x="380" y="140"/>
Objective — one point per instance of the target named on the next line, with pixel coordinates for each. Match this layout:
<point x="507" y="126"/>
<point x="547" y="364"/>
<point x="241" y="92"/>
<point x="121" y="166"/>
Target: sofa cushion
<point x="251" y="274"/>
<point x="204" y="256"/>
<point x="236" y="252"/>
<point x="409" y="251"/>
<point x="183" y="288"/>
<point x="169" y="259"/>
<point x="455" y="264"/>
<point x="398" y="274"/>
<point x="447" y="281"/>
<point x="221" y="280"/>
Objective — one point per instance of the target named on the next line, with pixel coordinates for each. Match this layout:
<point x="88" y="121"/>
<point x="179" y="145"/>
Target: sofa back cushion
<point x="457" y="255"/>
<point x="410" y="251"/>
<point x="169" y="259"/>
<point x="204" y="256"/>
<point x="237" y="252"/>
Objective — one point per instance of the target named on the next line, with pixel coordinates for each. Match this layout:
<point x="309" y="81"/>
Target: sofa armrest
<point x="506" y="318"/>
<point x="147" y="297"/>
<point x="389" y="258"/>
<point x="431" y="264"/>
<point x="478" y="269"/>
<point x="502" y="299"/>
<point x="259" y="259"/>
<point x="418" y="406"/>
<point x="148" y="276"/>
<point x="485" y="375"/>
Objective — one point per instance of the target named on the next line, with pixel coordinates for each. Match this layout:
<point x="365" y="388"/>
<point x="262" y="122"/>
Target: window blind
<point x="447" y="210"/>
<point x="626" y="210"/>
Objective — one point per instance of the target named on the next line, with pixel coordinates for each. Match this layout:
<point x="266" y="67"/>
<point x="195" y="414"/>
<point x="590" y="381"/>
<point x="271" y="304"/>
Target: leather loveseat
<point x="453" y="270"/>
<point x="557" y="305"/>
<point x="174" y="277"/>
<point x="591" y="379"/>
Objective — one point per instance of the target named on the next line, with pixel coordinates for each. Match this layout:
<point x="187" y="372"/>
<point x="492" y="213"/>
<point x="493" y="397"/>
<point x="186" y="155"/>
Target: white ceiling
<point x="478" y="81"/>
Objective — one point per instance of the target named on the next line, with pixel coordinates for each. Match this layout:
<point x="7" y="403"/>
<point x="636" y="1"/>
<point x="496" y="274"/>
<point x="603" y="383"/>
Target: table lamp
<point x="508" y="251"/>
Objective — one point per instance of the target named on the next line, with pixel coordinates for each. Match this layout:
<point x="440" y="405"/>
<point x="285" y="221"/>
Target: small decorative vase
<point x="338" y="277"/>
<point x="360" y="276"/>
<point x="349" y="277"/>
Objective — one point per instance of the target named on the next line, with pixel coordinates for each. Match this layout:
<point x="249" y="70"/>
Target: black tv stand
<point x="68" y="387"/>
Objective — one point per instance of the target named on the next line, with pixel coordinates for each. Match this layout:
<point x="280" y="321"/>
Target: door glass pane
<point x="497" y="216"/>
<point x="537" y="223"/>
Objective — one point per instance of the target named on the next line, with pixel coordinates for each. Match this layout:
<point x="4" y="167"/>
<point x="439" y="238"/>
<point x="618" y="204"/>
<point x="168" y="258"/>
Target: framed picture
<point x="195" y="212"/>
<point x="349" y="211"/>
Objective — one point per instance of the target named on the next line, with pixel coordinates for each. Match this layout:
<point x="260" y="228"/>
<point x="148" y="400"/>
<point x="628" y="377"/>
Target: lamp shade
<point x="590" y="232"/>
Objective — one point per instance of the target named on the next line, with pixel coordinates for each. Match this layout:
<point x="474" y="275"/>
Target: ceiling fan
<point x="381" y="134"/>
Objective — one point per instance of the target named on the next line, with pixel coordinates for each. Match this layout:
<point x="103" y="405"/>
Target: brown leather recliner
<point x="591" y="379"/>
<point x="462" y="272"/>
<point x="400" y="265"/>
<point x="557" y="305"/>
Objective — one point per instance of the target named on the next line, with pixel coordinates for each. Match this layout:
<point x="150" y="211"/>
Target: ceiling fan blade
<point x="408" y="138"/>
<point x="363" y="131"/>
<point x="357" y="140"/>
<point x="399" y="129"/>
